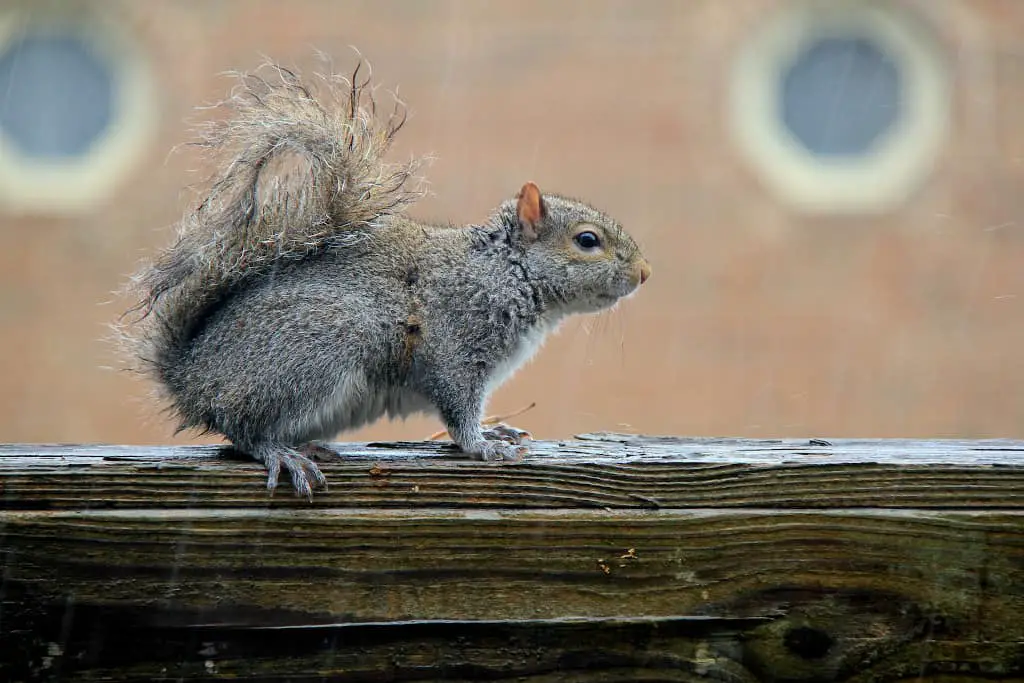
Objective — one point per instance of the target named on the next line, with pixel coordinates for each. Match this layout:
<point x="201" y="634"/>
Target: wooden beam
<point x="605" y="558"/>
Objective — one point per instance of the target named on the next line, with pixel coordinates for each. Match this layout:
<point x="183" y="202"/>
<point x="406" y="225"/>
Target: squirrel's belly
<point x="355" y="403"/>
<point x="402" y="402"/>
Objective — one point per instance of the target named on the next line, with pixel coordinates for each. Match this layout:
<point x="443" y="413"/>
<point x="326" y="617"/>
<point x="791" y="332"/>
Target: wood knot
<point x="807" y="642"/>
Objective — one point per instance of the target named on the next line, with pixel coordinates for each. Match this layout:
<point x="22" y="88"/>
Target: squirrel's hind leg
<point x="304" y="472"/>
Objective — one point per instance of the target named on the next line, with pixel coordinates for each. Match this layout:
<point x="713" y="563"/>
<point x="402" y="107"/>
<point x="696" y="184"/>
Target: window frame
<point x="901" y="159"/>
<point x="75" y="183"/>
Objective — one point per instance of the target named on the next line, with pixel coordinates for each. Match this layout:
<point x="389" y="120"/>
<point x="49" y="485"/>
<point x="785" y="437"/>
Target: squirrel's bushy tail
<point x="300" y="165"/>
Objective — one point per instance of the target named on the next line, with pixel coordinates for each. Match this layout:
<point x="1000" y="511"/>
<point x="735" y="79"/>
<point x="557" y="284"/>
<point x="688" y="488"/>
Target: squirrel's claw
<point x="304" y="471"/>
<point x="503" y="432"/>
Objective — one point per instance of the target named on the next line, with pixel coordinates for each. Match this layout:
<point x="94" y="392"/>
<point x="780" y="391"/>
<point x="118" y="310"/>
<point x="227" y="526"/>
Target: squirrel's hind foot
<point x="304" y="472"/>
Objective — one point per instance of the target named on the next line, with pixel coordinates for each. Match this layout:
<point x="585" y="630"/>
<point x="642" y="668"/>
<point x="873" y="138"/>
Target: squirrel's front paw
<point x="503" y="432"/>
<point x="494" y="450"/>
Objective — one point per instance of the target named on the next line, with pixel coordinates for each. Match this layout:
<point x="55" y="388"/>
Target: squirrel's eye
<point x="587" y="240"/>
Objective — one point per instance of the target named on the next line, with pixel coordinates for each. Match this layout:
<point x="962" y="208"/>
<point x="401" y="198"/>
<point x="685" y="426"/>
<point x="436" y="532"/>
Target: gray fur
<point x="396" y="318"/>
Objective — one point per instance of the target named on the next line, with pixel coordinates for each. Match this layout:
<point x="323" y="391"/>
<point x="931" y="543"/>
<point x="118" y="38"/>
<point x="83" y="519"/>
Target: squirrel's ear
<point x="531" y="210"/>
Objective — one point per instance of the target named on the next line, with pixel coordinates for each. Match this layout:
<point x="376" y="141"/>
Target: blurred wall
<point x="896" y="309"/>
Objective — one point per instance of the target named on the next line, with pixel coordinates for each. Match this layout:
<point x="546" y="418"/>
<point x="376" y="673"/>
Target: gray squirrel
<point x="299" y="300"/>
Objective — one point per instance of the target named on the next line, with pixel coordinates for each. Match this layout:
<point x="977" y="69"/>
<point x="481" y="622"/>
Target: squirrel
<point x="299" y="300"/>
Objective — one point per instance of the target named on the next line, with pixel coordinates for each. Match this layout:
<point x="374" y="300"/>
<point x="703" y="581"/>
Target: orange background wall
<point x="758" y="321"/>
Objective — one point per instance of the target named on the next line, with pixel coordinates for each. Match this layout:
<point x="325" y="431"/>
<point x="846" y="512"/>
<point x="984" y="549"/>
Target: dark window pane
<point x="840" y="95"/>
<point x="56" y="96"/>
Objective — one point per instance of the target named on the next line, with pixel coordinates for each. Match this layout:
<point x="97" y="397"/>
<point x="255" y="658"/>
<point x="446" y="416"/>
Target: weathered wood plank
<point x="599" y="471"/>
<point x="840" y="591"/>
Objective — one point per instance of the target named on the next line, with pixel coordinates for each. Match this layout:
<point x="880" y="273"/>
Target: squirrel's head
<point x="583" y="259"/>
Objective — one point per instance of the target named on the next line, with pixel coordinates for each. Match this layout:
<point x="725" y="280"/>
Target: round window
<point x="841" y="107"/>
<point x="76" y="106"/>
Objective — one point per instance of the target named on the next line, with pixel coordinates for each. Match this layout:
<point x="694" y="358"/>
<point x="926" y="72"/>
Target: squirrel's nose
<point x="645" y="271"/>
